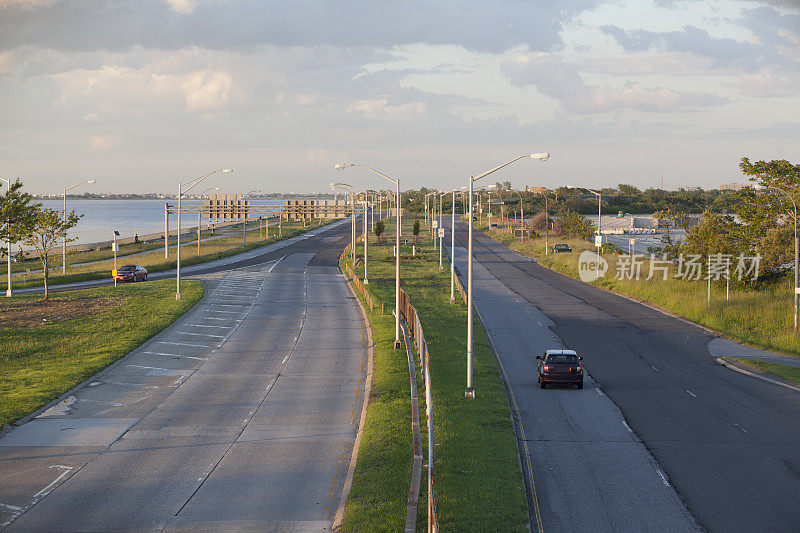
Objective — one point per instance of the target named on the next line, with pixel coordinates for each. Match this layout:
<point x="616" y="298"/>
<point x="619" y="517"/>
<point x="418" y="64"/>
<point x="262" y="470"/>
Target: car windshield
<point x="567" y="359"/>
<point x="126" y="268"/>
<point x="561" y="246"/>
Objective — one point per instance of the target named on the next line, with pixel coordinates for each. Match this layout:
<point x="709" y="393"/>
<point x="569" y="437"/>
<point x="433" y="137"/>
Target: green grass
<point x="154" y="261"/>
<point x="476" y="466"/>
<point x="760" y="317"/>
<point x="39" y="363"/>
<point x="789" y="373"/>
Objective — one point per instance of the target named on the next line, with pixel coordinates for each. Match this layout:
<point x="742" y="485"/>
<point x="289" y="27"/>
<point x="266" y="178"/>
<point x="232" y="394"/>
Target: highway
<point x="240" y="416"/>
<point x="662" y="438"/>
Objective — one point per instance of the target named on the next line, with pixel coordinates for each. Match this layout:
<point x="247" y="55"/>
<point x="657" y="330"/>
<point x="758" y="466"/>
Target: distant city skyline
<point x="138" y="95"/>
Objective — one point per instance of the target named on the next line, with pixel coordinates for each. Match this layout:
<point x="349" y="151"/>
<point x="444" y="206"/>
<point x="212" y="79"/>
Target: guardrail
<point x="408" y="314"/>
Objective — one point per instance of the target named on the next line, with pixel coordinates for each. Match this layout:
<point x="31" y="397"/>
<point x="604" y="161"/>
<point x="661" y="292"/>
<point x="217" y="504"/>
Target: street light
<point x="64" y="244"/>
<point x="200" y="214"/>
<point x="336" y="187"/>
<point x="470" y="391"/>
<point x="342" y="166"/>
<point x="366" y="230"/>
<point x="796" y="251"/>
<point x="598" y="242"/>
<point x="190" y="184"/>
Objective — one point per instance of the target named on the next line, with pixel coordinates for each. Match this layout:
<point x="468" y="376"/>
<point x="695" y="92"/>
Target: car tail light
<point x="546" y="368"/>
<point x="579" y="369"/>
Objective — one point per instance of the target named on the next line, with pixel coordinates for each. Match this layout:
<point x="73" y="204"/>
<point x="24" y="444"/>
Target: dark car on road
<point x="131" y="273"/>
<point x="561" y="248"/>
<point x="560" y="366"/>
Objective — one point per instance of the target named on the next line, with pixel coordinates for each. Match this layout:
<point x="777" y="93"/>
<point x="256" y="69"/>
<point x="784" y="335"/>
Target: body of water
<point x="129" y="217"/>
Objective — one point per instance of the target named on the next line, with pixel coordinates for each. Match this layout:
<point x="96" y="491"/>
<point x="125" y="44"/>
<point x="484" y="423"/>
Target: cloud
<point x="111" y="25"/>
<point x="554" y="77"/>
<point x="207" y="91"/>
<point x="101" y="143"/>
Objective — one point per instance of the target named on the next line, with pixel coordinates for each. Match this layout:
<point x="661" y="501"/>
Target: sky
<point x="140" y="95"/>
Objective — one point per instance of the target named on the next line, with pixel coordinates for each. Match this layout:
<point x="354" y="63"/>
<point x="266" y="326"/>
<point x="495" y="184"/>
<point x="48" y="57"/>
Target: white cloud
<point x="207" y="91"/>
<point x="101" y="143"/>
<point x="183" y="7"/>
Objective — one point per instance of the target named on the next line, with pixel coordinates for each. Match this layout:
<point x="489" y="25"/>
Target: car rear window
<point x="567" y="359"/>
<point x="126" y="268"/>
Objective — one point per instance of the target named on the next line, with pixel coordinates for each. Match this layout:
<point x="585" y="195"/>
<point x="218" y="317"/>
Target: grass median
<point x="761" y="316"/>
<point x="476" y="467"/>
<point x="49" y="347"/>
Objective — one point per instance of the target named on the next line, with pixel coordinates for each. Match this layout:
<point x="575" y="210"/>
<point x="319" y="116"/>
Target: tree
<point x="379" y="229"/>
<point x="44" y="230"/>
<point x="15" y="213"/>
<point x="573" y="224"/>
<point x="415" y="231"/>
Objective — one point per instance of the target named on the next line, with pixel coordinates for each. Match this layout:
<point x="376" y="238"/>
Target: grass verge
<point x="770" y="327"/>
<point x="53" y="346"/>
<point x="789" y="373"/>
<point x="476" y="466"/>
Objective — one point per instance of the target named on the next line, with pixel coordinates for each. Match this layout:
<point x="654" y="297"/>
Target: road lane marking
<point x="227" y="312"/>
<point x="12" y="507"/>
<point x="206" y="326"/>
<point x="654" y="368"/>
<point x="663" y="477"/>
<point x="216" y="318"/>
<point x="200" y="334"/>
<point x="184" y="344"/>
<point x="176" y="355"/>
<point x="693" y="395"/>
<point x="627" y="426"/>
<point x="598" y="391"/>
<point x="46" y="490"/>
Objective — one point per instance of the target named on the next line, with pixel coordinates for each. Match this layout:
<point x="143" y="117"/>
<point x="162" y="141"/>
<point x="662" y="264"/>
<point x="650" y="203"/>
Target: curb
<point x="348" y="481"/>
<point x="737" y="368"/>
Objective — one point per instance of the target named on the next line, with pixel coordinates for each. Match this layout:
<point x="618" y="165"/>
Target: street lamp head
<point x="227" y="170"/>
<point x="542" y="155"/>
<point x="92" y="181"/>
<point x="342" y="166"/>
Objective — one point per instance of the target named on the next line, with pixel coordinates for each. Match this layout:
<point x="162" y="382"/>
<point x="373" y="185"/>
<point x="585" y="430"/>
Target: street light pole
<point x="64" y="243"/>
<point x="470" y="391"/>
<point x="191" y="183"/>
<point x="341" y="167"/>
<point x="599" y="226"/>
<point x="9" y="292"/>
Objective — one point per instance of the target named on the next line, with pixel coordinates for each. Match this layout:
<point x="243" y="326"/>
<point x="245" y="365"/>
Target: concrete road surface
<point x="661" y="434"/>
<point x="240" y="416"/>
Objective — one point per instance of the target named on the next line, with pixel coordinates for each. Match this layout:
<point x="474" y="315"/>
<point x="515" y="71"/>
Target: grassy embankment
<point x="761" y="317"/>
<point x="49" y="347"/>
<point x="476" y="470"/>
<point x="210" y="250"/>
<point x="789" y="373"/>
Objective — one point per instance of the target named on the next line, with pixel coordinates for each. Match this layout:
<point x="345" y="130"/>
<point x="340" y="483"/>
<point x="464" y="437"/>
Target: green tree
<point x="16" y="213"/>
<point x="379" y="229"/>
<point x="574" y="224"/>
<point x="44" y="230"/>
<point x="415" y="231"/>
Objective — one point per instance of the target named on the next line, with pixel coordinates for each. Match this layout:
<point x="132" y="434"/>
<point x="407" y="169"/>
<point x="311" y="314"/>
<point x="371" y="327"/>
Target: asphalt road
<point x="727" y="443"/>
<point x="240" y="416"/>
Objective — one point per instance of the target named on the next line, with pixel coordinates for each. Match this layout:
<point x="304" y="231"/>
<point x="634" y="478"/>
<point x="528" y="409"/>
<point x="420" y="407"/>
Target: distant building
<point x="536" y="190"/>
<point x="733" y="186"/>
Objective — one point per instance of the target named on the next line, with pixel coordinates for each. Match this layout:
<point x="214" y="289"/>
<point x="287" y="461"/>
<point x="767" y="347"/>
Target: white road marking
<point x="693" y="395"/>
<point x="216" y="318"/>
<point x="149" y="367"/>
<point x="663" y="477"/>
<point x="285" y="359"/>
<point x="12" y="507"/>
<point x="200" y="334"/>
<point x="205" y="326"/>
<point x="126" y="384"/>
<point x="654" y="368"/>
<point x="176" y="355"/>
<point x="184" y="344"/>
<point x="46" y="490"/>
<point x="226" y="312"/>
<point x="627" y="426"/>
<point x="99" y="402"/>
<point x="598" y="391"/>
<point x="228" y="305"/>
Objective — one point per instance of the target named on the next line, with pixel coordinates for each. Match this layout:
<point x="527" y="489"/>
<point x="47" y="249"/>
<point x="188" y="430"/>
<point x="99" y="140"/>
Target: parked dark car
<point x="560" y="366"/>
<point x="131" y="273"/>
<point x="561" y="248"/>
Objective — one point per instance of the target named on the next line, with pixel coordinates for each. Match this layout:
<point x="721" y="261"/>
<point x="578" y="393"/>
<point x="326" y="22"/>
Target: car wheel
<point x="580" y="385"/>
<point x="543" y="384"/>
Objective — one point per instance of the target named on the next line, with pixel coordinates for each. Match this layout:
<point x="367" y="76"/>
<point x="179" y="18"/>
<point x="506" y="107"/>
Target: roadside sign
<point x="632" y="242"/>
<point x="598" y="240"/>
<point x="435" y="224"/>
<point x="114" y="247"/>
<point x="114" y="273"/>
<point x="441" y="233"/>
<point x="797" y="290"/>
